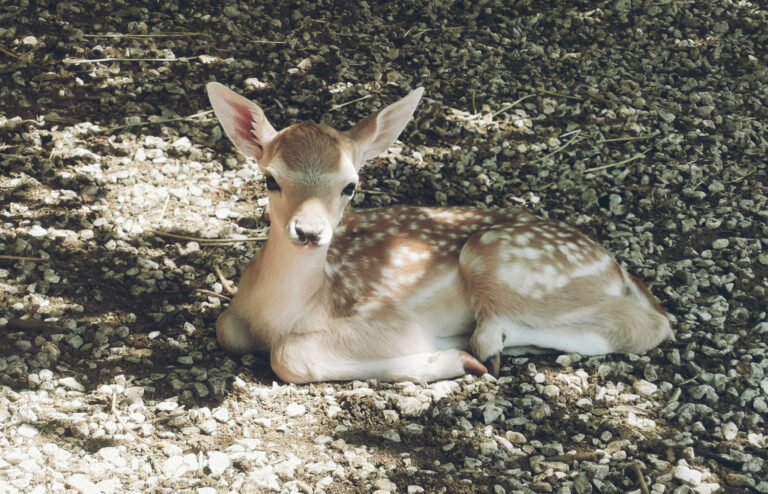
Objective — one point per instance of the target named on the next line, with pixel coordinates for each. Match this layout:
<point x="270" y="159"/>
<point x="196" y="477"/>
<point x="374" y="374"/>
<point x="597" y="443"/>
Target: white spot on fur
<point x="523" y="238"/>
<point x="489" y="237"/>
<point x="601" y="265"/>
<point x="531" y="253"/>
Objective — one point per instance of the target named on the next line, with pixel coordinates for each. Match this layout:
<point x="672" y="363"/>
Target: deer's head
<point x="310" y="169"/>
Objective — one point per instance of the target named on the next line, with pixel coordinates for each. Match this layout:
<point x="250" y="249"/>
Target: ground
<point x="641" y="123"/>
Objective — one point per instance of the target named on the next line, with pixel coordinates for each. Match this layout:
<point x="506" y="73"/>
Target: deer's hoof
<point x="494" y="363"/>
<point x="472" y="365"/>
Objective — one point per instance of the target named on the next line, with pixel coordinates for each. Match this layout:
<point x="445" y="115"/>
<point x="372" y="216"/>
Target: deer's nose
<point x="308" y="235"/>
<point x="309" y="232"/>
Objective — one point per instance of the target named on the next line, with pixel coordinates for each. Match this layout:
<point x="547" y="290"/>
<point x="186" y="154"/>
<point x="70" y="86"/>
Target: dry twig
<point x="640" y="478"/>
<point x="618" y="163"/>
<point x="342" y="105"/>
<point x="622" y="139"/>
<point x="559" y="95"/>
<point x="21" y="258"/>
<point x="78" y="61"/>
<point x="25" y="323"/>
<point x="165" y="206"/>
<point x="161" y="121"/>
<point x="19" y="324"/>
<point x="10" y="53"/>
<point x="224" y="281"/>
<point x="576" y="137"/>
<point x="176" y="34"/>
<point x="120" y="420"/>
<point x="581" y="456"/>
<point x="212" y="293"/>
<point x="203" y="241"/>
<point x="513" y="104"/>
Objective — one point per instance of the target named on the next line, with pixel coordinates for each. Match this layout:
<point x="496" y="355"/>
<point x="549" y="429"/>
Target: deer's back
<point x="388" y="254"/>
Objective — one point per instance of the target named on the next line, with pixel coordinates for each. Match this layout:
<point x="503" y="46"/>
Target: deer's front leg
<point x="306" y="358"/>
<point x="234" y="334"/>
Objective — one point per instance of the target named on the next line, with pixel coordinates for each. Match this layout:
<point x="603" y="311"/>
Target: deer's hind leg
<point x="541" y="284"/>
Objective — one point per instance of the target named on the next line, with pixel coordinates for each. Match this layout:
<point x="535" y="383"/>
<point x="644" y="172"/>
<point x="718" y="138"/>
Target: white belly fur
<point x="440" y="307"/>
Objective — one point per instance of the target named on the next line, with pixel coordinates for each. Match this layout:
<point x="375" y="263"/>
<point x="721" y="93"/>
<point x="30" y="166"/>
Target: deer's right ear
<point x="373" y="135"/>
<point x="243" y="121"/>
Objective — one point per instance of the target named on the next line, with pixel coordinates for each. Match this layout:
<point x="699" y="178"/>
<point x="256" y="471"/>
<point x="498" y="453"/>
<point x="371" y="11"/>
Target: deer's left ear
<point x="243" y="121"/>
<point x="373" y="135"/>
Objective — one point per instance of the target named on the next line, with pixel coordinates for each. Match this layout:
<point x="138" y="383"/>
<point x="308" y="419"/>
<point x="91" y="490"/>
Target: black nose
<point x="307" y="235"/>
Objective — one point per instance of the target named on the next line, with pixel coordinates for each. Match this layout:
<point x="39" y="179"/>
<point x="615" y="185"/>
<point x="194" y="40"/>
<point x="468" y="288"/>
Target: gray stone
<point x="689" y="476"/>
<point x="491" y="413"/>
<point x="391" y="435"/>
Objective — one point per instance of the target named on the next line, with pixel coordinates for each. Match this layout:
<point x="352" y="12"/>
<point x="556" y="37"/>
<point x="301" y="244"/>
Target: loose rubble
<point x="644" y="124"/>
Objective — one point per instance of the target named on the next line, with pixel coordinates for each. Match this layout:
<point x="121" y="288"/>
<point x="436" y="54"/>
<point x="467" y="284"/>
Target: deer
<point x="407" y="292"/>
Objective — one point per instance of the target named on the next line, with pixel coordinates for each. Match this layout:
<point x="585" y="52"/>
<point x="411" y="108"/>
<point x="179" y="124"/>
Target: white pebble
<point x="218" y="462"/>
<point x="295" y="410"/>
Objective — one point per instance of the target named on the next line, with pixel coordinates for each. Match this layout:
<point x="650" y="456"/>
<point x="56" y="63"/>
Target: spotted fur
<point x="405" y="292"/>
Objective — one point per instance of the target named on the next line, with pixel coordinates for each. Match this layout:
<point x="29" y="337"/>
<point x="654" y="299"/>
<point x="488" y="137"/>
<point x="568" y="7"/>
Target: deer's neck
<point x="290" y="282"/>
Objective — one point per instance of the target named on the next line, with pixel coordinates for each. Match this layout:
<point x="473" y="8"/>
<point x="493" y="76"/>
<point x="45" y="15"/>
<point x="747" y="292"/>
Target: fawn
<point x="403" y="293"/>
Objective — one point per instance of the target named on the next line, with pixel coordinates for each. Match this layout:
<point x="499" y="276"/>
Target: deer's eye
<point x="348" y="190"/>
<point x="271" y="183"/>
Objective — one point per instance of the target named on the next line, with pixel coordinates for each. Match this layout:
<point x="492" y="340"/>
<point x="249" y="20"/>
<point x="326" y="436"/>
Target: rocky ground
<point x="644" y="123"/>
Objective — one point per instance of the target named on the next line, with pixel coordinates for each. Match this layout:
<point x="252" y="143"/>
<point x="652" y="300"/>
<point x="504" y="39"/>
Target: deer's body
<point x="405" y="292"/>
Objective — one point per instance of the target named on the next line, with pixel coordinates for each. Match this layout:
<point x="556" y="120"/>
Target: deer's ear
<point x="243" y="121"/>
<point x="373" y="135"/>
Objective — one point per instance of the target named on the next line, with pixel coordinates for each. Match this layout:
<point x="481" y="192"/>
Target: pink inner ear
<point x="244" y="124"/>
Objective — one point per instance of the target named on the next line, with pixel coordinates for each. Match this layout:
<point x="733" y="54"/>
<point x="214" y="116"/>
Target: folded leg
<point x="304" y="359"/>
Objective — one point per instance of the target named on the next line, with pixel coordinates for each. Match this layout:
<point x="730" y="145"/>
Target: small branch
<point x="201" y="240"/>
<point x="573" y="139"/>
<point x="165" y="206"/>
<point x="161" y="121"/>
<point x="212" y="293"/>
<point x="177" y="34"/>
<point x="224" y="281"/>
<point x="21" y="324"/>
<point x="120" y="420"/>
<point x="10" y="53"/>
<point x="342" y="105"/>
<point x="474" y="107"/>
<point x="31" y="312"/>
<point x="618" y="163"/>
<point x="741" y="177"/>
<point x="559" y="95"/>
<point x="22" y="258"/>
<point x="640" y="479"/>
<point x="595" y="97"/>
<point x="622" y="139"/>
<point x="266" y="42"/>
<point x="582" y="456"/>
<point x="689" y="381"/>
<point x="78" y="61"/>
<point x="513" y="104"/>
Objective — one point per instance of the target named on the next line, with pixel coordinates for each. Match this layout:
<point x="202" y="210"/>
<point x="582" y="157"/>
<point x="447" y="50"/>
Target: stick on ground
<point x="640" y="479"/>
<point x="120" y="420"/>
<point x="224" y="281"/>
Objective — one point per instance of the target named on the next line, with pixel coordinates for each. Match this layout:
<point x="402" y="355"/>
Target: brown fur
<point x="308" y="146"/>
<point x="401" y="292"/>
<point x="645" y="291"/>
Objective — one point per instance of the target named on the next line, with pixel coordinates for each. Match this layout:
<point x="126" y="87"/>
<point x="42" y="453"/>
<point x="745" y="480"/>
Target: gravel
<point x="644" y="124"/>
